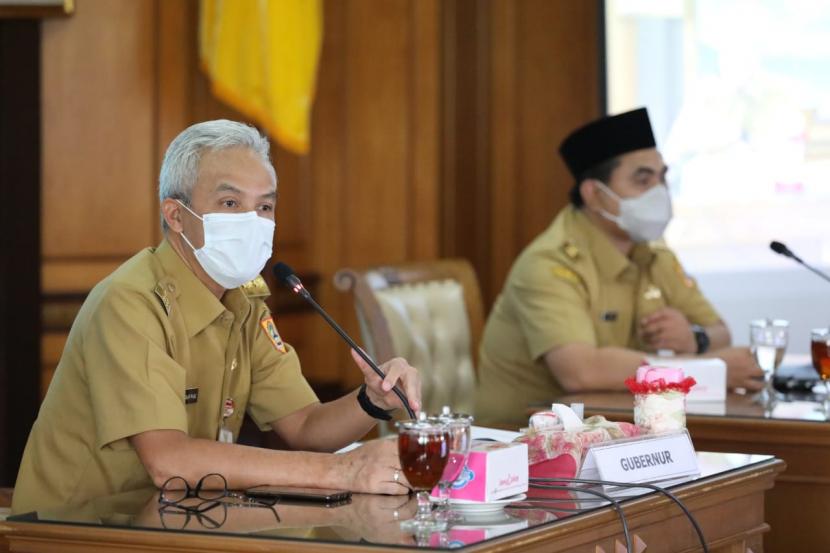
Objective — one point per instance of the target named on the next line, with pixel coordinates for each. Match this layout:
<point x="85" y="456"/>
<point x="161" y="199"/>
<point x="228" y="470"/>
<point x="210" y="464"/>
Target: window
<point x="739" y="96"/>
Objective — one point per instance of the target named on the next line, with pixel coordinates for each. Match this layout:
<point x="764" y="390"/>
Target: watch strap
<point x="371" y="409"/>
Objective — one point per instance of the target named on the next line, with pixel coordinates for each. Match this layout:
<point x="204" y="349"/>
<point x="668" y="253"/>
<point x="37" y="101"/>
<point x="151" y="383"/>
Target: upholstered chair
<point x="429" y="313"/>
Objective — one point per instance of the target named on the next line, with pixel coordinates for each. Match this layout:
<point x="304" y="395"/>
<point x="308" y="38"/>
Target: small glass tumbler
<point x="459" y="432"/>
<point x="768" y="341"/>
<point x="423" y="449"/>
<point x="820" y="351"/>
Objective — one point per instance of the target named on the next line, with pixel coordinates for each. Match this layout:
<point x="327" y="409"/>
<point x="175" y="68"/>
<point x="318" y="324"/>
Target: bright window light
<point x="739" y="96"/>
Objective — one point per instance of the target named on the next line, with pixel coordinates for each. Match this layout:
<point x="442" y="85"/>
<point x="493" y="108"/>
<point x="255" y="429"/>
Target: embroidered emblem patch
<point x="271" y="331"/>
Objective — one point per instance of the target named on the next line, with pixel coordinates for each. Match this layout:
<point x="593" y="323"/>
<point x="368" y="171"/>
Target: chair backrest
<point x="429" y="313"/>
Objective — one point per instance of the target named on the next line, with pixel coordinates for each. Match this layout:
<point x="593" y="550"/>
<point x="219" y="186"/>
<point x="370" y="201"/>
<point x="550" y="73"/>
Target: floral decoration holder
<point x="659" y="398"/>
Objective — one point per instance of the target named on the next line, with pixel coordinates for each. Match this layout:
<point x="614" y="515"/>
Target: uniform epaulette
<point x="256" y="288"/>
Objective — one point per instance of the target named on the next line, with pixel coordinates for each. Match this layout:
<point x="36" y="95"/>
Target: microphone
<point x="285" y="276"/>
<point x="782" y="249"/>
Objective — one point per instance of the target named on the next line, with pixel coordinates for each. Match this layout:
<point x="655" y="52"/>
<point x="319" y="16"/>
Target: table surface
<point x="795" y="431"/>
<point x="368" y="520"/>
<point x="736" y="406"/>
<point x="802" y="407"/>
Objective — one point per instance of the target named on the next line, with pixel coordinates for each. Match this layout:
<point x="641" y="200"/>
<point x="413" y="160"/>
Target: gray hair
<point x="180" y="167"/>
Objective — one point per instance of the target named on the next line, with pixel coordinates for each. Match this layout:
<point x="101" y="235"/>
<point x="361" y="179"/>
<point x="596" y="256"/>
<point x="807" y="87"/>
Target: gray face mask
<point x="645" y="217"/>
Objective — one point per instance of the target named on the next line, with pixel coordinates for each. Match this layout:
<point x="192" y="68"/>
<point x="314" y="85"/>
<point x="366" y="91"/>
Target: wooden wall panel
<point x="465" y="197"/>
<point x="376" y="131"/>
<point x="98" y="140"/>
<point x="520" y="75"/>
<point x="556" y="92"/>
<point x="548" y="80"/>
<point x="387" y="89"/>
<point x="424" y="91"/>
<point x="328" y="178"/>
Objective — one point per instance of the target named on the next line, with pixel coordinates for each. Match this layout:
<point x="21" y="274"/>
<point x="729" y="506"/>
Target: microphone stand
<point x="814" y="270"/>
<point x="297" y="287"/>
<point x="782" y="249"/>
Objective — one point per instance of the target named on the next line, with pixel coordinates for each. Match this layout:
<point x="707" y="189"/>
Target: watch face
<point x="701" y="338"/>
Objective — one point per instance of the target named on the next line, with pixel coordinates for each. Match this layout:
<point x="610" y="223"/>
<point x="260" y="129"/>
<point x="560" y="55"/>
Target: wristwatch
<point x="701" y="338"/>
<point x="371" y="409"/>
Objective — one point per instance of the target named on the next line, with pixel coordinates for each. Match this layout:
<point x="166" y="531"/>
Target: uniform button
<point x="227" y="318"/>
<point x="233" y="365"/>
<point x="171" y="288"/>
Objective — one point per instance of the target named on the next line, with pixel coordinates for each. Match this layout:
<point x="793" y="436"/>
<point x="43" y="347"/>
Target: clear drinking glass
<point x="423" y="449"/>
<point x="459" y="433"/>
<point x="768" y="341"/>
<point x="820" y="350"/>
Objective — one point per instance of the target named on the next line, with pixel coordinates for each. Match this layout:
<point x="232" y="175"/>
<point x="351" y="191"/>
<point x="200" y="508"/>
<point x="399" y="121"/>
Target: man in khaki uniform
<point x="589" y="297"/>
<point x="169" y="352"/>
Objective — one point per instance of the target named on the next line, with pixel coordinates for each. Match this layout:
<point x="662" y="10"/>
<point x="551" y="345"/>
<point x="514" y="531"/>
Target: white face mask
<point x="644" y="217"/>
<point x="237" y="246"/>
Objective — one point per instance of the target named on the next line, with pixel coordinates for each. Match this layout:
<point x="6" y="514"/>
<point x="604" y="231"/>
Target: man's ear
<point x="588" y="191"/>
<point x="172" y="212"/>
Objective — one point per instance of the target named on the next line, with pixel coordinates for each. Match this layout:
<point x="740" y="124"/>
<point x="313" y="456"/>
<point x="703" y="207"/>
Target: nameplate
<point x="643" y="459"/>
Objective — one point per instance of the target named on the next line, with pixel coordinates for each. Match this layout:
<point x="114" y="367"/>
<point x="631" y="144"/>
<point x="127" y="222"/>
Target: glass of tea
<point x="423" y="449"/>
<point x="820" y="350"/>
<point x="459" y="433"/>
<point x="768" y="341"/>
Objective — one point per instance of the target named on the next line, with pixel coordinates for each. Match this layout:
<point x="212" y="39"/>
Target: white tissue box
<point x="710" y="375"/>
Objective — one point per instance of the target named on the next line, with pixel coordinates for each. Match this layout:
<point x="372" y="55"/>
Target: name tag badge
<point x="609" y="316"/>
<point x="655" y="459"/>
<point x="191" y="395"/>
<point x="225" y="435"/>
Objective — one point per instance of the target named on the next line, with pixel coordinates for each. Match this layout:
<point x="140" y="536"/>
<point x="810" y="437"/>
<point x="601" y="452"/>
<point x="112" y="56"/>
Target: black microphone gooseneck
<point x="782" y="249"/>
<point x="285" y="275"/>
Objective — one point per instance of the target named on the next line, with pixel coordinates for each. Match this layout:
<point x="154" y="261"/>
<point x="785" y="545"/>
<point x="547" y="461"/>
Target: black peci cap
<point x="605" y="138"/>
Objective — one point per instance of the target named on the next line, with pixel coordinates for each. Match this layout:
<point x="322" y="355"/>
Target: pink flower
<point x="655" y="380"/>
<point x="648" y="374"/>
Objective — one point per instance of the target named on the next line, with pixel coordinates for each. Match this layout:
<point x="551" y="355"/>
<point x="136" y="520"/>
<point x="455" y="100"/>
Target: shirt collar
<point x="611" y="261"/>
<point x="199" y="307"/>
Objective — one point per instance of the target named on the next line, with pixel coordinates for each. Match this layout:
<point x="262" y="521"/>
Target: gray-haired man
<point x="169" y="351"/>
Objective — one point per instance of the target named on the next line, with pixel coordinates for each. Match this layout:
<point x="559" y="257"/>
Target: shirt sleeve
<point x="552" y="306"/>
<point x="134" y="385"/>
<point x="278" y="387"/>
<point x="684" y="294"/>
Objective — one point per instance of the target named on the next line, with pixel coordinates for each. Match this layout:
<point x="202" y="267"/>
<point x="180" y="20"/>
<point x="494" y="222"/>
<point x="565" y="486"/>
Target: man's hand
<point x="397" y="370"/>
<point x="741" y="369"/>
<point x="668" y="328"/>
<point x="377" y="518"/>
<point x="375" y="468"/>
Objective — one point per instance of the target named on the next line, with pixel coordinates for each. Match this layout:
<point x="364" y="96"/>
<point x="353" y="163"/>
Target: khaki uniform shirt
<point x="152" y="348"/>
<point x="572" y="285"/>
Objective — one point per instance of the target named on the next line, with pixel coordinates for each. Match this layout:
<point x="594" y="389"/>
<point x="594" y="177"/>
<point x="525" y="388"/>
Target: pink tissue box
<point x="494" y="470"/>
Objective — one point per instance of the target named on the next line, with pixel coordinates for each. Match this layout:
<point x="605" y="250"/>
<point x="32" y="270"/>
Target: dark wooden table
<point x="727" y="500"/>
<point x="795" y="432"/>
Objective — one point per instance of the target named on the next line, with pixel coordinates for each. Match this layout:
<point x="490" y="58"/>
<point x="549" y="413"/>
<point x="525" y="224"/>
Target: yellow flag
<point x="261" y="57"/>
